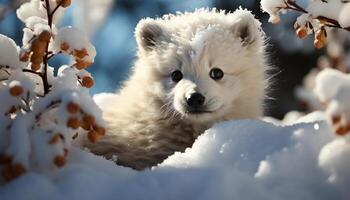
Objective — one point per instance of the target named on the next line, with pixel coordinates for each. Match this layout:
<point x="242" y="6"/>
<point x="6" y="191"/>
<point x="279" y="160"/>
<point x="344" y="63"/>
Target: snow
<point x="38" y="124"/>
<point x="29" y="9"/>
<point x="316" y="16"/>
<point x="328" y="82"/>
<point x="273" y="8"/>
<point x="9" y="53"/>
<point x="333" y="88"/>
<point x="243" y="159"/>
<point x="334" y="159"/>
<point x="330" y="9"/>
<point x="36" y="8"/>
<point x="300" y="157"/>
<point x="77" y="41"/>
<point x="344" y="16"/>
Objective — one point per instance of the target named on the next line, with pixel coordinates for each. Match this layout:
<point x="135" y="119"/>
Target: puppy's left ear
<point x="246" y="27"/>
<point x="150" y="33"/>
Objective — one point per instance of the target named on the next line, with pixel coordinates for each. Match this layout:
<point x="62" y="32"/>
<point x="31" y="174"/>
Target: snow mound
<point x="244" y="159"/>
<point x="9" y="53"/>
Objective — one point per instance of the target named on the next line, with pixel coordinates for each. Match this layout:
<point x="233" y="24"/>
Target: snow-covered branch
<point x="41" y="114"/>
<point x="318" y="18"/>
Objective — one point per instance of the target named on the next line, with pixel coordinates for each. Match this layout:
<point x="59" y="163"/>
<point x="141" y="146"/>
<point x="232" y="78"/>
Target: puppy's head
<point x="208" y="65"/>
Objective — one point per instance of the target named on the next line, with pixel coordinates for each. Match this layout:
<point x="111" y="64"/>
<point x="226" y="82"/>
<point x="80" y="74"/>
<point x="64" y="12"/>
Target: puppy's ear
<point x="246" y="27"/>
<point x="150" y="33"/>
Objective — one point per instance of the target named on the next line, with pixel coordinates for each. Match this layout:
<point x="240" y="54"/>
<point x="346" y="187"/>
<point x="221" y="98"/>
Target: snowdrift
<point x="245" y="159"/>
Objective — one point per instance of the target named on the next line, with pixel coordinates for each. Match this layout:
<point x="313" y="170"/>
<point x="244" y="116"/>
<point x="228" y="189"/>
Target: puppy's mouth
<point x="197" y="111"/>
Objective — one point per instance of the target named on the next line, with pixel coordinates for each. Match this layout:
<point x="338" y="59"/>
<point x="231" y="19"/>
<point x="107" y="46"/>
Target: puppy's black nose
<point x="196" y="100"/>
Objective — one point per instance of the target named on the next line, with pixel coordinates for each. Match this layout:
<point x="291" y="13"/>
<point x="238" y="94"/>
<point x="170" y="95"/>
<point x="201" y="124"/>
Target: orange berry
<point x="85" y="126"/>
<point x="12" y="110"/>
<point x="321" y="35"/>
<point x="64" y="3"/>
<point x="336" y="119"/>
<point x="73" y="108"/>
<point x="55" y="138"/>
<point x="16" y="90"/>
<point x="80" y="53"/>
<point x="5" y="159"/>
<point x="38" y="46"/>
<point x="100" y="130"/>
<point x="347" y="128"/>
<point x="36" y="59"/>
<point x="87" y="81"/>
<point x="301" y="32"/>
<point x="24" y="57"/>
<point x="73" y="123"/>
<point x="93" y="136"/>
<point x="35" y="66"/>
<point x="319" y="43"/>
<point x="45" y="36"/>
<point x="88" y="119"/>
<point x="59" y="160"/>
<point x="64" y="46"/>
<point x="81" y="64"/>
<point x="340" y="130"/>
<point x="18" y="169"/>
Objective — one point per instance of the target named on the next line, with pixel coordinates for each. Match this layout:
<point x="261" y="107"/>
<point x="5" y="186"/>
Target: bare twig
<point x="51" y="105"/>
<point x="32" y="72"/>
<point x="50" y="16"/>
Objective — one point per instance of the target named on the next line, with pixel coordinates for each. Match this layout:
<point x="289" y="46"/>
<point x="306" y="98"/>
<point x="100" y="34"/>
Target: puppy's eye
<point x="176" y="76"/>
<point x="216" y="74"/>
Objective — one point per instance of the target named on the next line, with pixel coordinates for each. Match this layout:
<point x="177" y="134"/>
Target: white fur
<point x="147" y="120"/>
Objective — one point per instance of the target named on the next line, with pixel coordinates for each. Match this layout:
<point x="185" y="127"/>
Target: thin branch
<point x="26" y="101"/>
<point x="57" y="6"/>
<point x="51" y="55"/>
<point x="51" y="105"/>
<point x="48" y="14"/>
<point x="292" y="5"/>
<point x="44" y="73"/>
<point x="296" y="6"/>
<point x="33" y="72"/>
<point x="47" y="55"/>
<point x="4" y="69"/>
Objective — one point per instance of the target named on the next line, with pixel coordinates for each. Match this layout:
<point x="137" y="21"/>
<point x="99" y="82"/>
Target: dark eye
<point x="176" y="76"/>
<point x="216" y="74"/>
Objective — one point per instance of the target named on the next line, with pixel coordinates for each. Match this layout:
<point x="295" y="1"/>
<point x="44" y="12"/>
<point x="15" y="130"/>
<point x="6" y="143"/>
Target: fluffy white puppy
<point x="192" y="70"/>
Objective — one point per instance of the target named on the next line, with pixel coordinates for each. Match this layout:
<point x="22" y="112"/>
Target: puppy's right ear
<point x="150" y="33"/>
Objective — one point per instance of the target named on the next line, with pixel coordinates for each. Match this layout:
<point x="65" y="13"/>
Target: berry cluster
<point x="41" y="113"/>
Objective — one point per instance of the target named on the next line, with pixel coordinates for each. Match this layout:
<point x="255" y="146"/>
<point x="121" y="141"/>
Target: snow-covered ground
<point x="244" y="159"/>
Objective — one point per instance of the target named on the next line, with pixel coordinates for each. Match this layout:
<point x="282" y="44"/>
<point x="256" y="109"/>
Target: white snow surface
<point x="344" y="16"/>
<point x="76" y="40"/>
<point x="9" y="53"/>
<point x="243" y="159"/>
<point x="333" y="87"/>
<point x="36" y="8"/>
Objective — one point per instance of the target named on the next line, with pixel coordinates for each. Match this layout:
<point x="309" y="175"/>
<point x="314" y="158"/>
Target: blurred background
<point x="110" y="25"/>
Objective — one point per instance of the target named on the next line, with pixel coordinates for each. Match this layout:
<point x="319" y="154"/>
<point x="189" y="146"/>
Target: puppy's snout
<point x="196" y="100"/>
